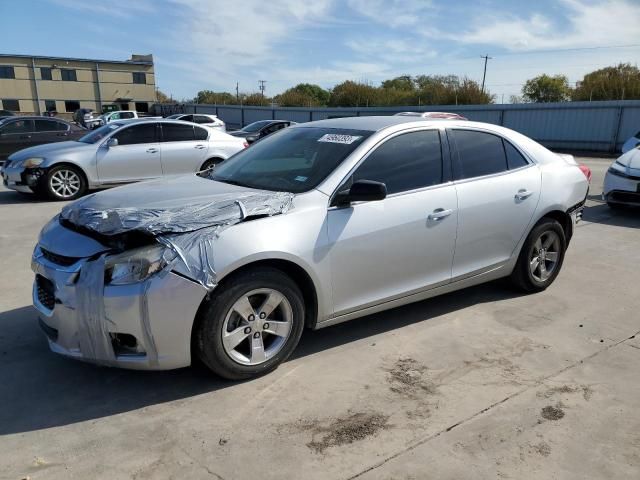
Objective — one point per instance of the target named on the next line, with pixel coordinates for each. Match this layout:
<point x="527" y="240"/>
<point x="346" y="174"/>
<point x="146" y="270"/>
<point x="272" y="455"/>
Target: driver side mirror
<point x="361" y="191"/>
<point x="112" y="142"/>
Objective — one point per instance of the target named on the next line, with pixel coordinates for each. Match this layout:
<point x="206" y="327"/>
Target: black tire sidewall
<point x="526" y="279"/>
<point x="46" y="187"/>
<point x="208" y="336"/>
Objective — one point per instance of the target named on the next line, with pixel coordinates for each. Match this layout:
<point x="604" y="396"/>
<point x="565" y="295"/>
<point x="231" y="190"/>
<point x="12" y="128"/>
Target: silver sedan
<point x="121" y="152"/>
<point x="317" y="224"/>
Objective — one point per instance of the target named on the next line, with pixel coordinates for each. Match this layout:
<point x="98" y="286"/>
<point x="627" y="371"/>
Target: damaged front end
<point x="121" y="286"/>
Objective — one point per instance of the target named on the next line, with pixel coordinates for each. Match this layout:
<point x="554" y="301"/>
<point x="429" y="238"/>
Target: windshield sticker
<point x="300" y="178"/>
<point x="336" y="138"/>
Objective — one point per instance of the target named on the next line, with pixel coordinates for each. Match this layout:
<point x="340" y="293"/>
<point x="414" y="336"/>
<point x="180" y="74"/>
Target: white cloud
<point x="113" y="8"/>
<point x="394" y="51"/>
<point x="612" y="22"/>
<point x="394" y="13"/>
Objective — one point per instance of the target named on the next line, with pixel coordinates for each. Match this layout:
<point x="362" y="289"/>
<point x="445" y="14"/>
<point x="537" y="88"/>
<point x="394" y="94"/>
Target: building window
<point x="7" y="72"/>
<point x="71" y="105"/>
<point x="45" y="73"/>
<point x="139" y="77"/>
<point x="68" y="75"/>
<point x="142" y="107"/>
<point x="50" y="106"/>
<point x="11" y="105"/>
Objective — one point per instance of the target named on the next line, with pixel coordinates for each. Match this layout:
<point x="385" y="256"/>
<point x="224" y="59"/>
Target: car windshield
<point x="175" y="115"/>
<point x="100" y="133"/>
<point x="255" y="126"/>
<point x="291" y="160"/>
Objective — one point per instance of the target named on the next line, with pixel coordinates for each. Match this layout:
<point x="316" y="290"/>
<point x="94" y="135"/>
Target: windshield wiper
<point x="231" y="182"/>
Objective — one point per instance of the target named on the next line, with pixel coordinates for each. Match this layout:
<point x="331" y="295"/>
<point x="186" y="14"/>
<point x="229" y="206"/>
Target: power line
<point x="262" y="86"/>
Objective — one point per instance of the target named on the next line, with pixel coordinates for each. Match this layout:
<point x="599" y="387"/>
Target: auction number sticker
<point x="336" y="138"/>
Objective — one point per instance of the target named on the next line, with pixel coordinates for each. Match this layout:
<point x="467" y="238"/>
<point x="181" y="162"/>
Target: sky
<point x="212" y="44"/>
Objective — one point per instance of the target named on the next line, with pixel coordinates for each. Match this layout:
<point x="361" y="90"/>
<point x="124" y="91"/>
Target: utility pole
<point x="484" y="75"/>
<point x="262" y="86"/>
<point x="237" y="92"/>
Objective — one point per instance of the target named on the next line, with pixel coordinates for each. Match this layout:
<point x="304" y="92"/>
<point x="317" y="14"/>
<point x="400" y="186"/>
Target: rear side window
<point x="186" y="118"/>
<point x="49" y="126"/>
<point x="514" y="157"/>
<point x="201" y="133"/>
<point x="479" y="154"/>
<point x="201" y="119"/>
<point x="406" y="162"/>
<point x="136" y="134"/>
<point x="175" y="132"/>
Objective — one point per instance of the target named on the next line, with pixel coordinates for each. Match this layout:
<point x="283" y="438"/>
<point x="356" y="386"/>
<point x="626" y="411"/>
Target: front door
<point x="15" y="135"/>
<point x="387" y="249"/>
<point x="498" y="191"/>
<point x="136" y="157"/>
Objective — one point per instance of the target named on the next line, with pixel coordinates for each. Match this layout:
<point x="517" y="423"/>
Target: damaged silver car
<point x="317" y="224"/>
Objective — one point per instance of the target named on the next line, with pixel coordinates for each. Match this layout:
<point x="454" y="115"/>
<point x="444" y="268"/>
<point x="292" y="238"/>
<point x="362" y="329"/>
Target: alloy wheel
<point x="65" y="183"/>
<point x="544" y="257"/>
<point x="257" y="326"/>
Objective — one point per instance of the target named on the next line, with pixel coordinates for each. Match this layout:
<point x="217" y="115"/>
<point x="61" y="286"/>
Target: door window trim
<point x="454" y="153"/>
<point x="446" y="164"/>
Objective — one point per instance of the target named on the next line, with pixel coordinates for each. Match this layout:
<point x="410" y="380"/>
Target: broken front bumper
<point x="144" y="326"/>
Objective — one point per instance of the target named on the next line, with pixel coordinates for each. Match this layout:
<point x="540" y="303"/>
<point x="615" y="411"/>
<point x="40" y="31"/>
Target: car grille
<point x="45" y="292"/>
<point x="58" y="259"/>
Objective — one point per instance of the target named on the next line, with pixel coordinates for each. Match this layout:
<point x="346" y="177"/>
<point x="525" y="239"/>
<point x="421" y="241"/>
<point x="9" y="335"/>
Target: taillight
<point x="246" y="144"/>
<point x="586" y="170"/>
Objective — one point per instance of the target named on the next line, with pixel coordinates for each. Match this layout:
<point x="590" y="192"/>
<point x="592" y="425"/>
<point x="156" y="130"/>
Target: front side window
<point x="136" y="134"/>
<point x="406" y="162"/>
<point x="255" y="126"/>
<point x="478" y="154"/>
<point x="68" y="75"/>
<point x="18" y="127"/>
<point x="49" y="126"/>
<point x="45" y="73"/>
<point x="7" y="71"/>
<point x="201" y="119"/>
<point x="294" y="160"/>
<point x="126" y="115"/>
<point x="186" y="118"/>
<point x="175" y="132"/>
<point x="100" y="133"/>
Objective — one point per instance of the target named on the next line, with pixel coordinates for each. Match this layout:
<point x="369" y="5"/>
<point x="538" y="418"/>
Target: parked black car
<point x="260" y="129"/>
<point x="18" y="132"/>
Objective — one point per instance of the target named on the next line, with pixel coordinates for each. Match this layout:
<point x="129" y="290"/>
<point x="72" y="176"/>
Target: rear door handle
<point x="152" y="150"/>
<point x="439" y="214"/>
<point x="523" y="194"/>
<point x="199" y="147"/>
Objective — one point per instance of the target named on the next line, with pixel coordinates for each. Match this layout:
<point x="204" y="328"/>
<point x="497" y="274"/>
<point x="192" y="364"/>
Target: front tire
<point x="208" y="166"/>
<point x="541" y="257"/>
<point x="251" y="324"/>
<point x="64" y="182"/>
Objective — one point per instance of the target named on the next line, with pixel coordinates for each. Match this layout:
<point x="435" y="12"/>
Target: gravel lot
<point x="482" y="383"/>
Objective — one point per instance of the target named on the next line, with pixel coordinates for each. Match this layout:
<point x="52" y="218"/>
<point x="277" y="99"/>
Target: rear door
<point x="15" y="135"/>
<point x="136" y="157"/>
<point x="184" y="148"/>
<point x="49" y="131"/>
<point x="498" y="191"/>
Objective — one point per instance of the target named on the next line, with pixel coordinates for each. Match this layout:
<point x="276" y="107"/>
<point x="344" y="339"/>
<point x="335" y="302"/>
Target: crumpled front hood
<point x="172" y="205"/>
<point x="50" y="148"/>
<point x="631" y="159"/>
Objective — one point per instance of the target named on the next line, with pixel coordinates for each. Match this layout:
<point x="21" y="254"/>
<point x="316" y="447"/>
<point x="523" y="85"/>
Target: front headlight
<point x="32" y="162"/>
<point x="136" y="265"/>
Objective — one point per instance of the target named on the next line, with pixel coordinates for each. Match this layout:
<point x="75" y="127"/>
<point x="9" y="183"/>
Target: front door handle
<point x="199" y="147"/>
<point x="523" y="194"/>
<point x="152" y="150"/>
<point x="439" y="214"/>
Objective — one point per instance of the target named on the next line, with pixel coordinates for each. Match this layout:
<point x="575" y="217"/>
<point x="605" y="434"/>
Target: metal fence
<point x="595" y="126"/>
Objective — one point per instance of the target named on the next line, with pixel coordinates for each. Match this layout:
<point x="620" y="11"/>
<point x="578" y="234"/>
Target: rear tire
<point x="64" y="182"/>
<point x="541" y="257"/>
<point x="208" y="166"/>
<point x="238" y="346"/>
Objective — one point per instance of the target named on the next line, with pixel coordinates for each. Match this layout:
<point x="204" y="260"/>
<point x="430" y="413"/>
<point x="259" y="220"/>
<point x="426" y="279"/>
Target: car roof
<point x="33" y="117"/>
<point x="373" y="123"/>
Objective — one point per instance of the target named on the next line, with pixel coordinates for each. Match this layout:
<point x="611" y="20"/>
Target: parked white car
<point x="201" y="119"/>
<point x="622" y="181"/>
<point x="121" y="152"/>
<point x="631" y="143"/>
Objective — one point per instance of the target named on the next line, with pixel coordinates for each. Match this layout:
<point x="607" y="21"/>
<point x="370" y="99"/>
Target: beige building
<point x="35" y="84"/>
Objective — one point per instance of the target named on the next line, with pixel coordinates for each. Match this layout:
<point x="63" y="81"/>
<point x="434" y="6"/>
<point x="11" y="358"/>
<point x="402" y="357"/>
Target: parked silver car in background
<point x="201" y="119"/>
<point x="314" y="225"/>
<point x="121" y="152"/>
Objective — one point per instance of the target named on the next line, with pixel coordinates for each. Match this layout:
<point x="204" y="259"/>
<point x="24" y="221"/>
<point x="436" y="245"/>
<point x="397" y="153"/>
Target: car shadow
<point x="9" y="197"/>
<point x="43" y="390"/>
<point x="618" y="217"/>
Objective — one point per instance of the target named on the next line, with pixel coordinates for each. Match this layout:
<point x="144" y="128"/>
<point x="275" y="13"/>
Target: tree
<point x="403" y="82"/>
<point x="621" y="82"/>
<point x="353" y="94"/>
<point x="219" y="98"/>
<point x="295" y="98"/>
<point x="161" y="97"/>
<point x="256" y="99"/>
<point x="319" y="95"/>
<point x="545" y="88"/>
